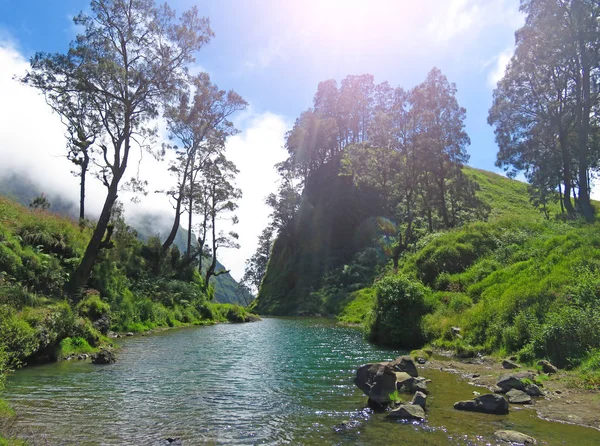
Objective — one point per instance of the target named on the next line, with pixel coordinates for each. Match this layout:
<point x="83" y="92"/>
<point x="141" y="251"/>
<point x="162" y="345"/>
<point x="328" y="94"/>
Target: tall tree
<point x="221" y="197"/>
<point x="56" y="76"/>
<point x="543" y="110"/>
<point x="130" y="57"/>
<point x="199" y="122"/>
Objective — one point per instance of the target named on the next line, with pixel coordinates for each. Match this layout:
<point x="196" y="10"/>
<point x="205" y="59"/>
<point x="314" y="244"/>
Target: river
<point x="278" y="381"/>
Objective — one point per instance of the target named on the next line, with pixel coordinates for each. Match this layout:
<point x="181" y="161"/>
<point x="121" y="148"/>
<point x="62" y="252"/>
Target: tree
<point x="40" y="202"/>
<point x="199" y="121"/>
<point x="256" y="266"/>
<point x="130" y="59"/>
<point x="545" y="106"/>
<point x="221" y="198"/>
<point x="56" y="76"/>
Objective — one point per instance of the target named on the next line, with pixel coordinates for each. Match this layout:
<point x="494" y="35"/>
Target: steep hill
<point x="335" y="229"/>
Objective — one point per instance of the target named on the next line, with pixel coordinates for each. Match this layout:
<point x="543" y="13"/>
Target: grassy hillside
<point x="21" y="189"/>
<point x="516" y="285"/>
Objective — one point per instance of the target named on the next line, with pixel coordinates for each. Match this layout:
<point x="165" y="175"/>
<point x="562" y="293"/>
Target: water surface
<point x="279" y="381"/>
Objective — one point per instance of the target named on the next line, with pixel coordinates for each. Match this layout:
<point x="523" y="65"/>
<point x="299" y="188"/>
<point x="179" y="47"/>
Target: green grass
<point x="74" y="346"/>
<point x="360" y="305"/>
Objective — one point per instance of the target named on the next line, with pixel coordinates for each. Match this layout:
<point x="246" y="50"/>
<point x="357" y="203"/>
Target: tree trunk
<point x="84" y="269"/>
<point x="190" y="215"/>
<point x="566" y="197"/>
<point x="84" y="168"/>
<point x="211" y="269"/>
<point x="171" y="238"/>
<point x="584" y="123"/>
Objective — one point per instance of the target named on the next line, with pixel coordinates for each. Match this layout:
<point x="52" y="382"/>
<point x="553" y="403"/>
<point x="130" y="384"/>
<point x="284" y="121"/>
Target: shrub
<point x="400" y="305"/>
<point x="93" y="307"/>
<point x="76" y="345"/>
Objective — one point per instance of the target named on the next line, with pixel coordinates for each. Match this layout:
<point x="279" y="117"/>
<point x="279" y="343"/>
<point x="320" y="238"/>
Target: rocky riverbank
<point x="559" y="400"/>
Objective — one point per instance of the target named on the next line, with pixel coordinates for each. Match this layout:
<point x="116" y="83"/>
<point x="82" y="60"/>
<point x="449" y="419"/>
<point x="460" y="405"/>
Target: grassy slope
<point x="517" y="284"/>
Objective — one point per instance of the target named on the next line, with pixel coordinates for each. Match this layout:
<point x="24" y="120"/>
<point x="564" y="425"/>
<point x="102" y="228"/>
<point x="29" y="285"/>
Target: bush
<point x="76" y="345"/>
<point x="400" y="305"/>
<point x="93" y="307"/>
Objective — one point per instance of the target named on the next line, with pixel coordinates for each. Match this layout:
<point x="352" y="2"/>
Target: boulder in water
<point x="408" y="412"/>
<point x="404" y="364"/>
<point x="419" y="399"/>
<point x="104" y="357"/>
<point x="377" y="381"/>
<point x="489" y="403"/>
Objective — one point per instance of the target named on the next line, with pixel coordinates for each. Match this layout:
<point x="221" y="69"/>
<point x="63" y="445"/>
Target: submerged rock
<point x="518" y="397"/>
<point x="104" y="357"/>
<point x="346" y="425"/>
<point x="489" y="403"/>
<point x="377" y="381"/>
<point x="547" y="366"/>
<point x="404" y="364"/>
<point x="408" y="412"/>
<point x="509" y="436"/>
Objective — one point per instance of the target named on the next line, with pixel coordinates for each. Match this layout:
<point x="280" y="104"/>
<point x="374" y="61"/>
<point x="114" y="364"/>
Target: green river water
<point x="279" y="381"/>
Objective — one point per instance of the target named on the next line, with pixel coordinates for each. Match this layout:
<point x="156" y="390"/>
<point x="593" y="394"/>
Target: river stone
<point x="518" y="397"/>
<point x="533" y="390"/>
<point x="404" y="382"/>
<point x="514" y="437"/>
<point x="404" y="364"/>
<point x="408" y="412"/>
<point x="547" y="367"/>
<point x="489" y="403"/>
<point x="514" y="381"/>
<point x="377" y="381"/>
<point x="508" y="364"/>
<point x="420" y="399"/>
<point x="104" y="357"/>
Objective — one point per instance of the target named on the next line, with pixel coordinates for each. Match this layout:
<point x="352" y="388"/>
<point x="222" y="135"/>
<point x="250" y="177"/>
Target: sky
<point x="274" y="53"/>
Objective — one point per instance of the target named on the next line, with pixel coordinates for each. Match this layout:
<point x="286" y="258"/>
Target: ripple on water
<point x="279" y="381"/>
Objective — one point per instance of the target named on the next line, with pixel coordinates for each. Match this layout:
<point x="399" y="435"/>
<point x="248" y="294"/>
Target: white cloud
<point x="255" y="152"/>
<point x="32" y="143"/>
<point x="499" y="64"/>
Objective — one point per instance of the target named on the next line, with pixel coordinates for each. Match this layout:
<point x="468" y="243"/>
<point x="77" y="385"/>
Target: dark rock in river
<point x="404" y="364"/>
<point x="490" y="403"/>
<point x="173" y="442"/>
<point x="514" y="437"/>
<point x="518" y="397"/>
<point x="377" y="381"/>
<point x="419" y="399"/>
<point x="104" y="357"/>
<point x="408" y="412"/>
<point x="547" y="367"/>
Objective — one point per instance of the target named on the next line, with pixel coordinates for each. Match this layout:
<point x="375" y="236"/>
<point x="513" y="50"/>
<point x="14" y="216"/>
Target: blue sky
<point x="274" y="53"/>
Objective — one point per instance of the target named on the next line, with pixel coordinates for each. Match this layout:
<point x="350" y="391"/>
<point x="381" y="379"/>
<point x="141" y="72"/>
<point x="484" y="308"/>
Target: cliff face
<point x="332" y="225"/>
